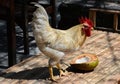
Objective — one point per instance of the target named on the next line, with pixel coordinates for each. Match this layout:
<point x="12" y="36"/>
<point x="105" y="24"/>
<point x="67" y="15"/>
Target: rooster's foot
<point x="63" y="73"/>
<point x="55" y="78"/>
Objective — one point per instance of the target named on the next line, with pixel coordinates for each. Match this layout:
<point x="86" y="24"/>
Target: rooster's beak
<point x="92" y="28"/>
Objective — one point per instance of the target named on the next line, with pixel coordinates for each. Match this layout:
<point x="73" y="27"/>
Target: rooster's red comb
<point x="86" y="20"/>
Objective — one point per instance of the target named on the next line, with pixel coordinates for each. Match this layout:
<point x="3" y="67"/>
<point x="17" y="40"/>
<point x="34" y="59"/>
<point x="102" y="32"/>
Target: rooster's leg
<point x="62" y="73"/>
<point x="52" y="77"/>
<point x="51" y="73"/>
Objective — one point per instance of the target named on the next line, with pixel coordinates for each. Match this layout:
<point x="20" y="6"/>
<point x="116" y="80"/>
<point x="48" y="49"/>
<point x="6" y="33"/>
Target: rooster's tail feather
<point x="40" y="12"/>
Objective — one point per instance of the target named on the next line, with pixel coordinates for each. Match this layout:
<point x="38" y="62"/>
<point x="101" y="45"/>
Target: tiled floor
<point x="3" y="45"/>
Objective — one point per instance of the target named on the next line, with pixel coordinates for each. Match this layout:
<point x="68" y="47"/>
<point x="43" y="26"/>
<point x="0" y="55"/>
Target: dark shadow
<point x="36" y="73"/>
<point x="72" y="69"/>
<point x="4" y="67"/>
<point x="3" y="37"/>
<point x="3" y="45"/>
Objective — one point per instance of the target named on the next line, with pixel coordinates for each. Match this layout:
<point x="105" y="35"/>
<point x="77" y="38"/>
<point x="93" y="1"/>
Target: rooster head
<point x="87" y="25"/>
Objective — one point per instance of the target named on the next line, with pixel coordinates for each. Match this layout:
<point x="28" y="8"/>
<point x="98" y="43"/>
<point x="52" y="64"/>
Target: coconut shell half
<point x="85" y="62"/>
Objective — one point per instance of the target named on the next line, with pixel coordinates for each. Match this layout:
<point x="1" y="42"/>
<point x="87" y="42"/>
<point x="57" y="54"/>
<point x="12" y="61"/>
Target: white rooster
<point x="55" y="42"/>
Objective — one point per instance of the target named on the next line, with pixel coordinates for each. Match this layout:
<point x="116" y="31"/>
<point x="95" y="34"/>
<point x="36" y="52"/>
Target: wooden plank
<point x="105" y="10"/>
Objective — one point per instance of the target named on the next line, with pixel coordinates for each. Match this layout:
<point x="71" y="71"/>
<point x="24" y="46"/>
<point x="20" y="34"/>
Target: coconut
<point x="85" y="62"/>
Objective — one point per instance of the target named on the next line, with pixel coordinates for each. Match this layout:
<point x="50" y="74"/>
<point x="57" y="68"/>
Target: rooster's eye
<point x="85" y="26"/>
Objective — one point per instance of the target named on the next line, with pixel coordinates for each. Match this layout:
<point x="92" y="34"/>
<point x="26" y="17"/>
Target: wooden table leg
<point x="11" y="35"/>
<point x="25" y="30"/>
<point x="92" y="16"/>
<point x="115" y="22"/>
<point x="11" y="42"/>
